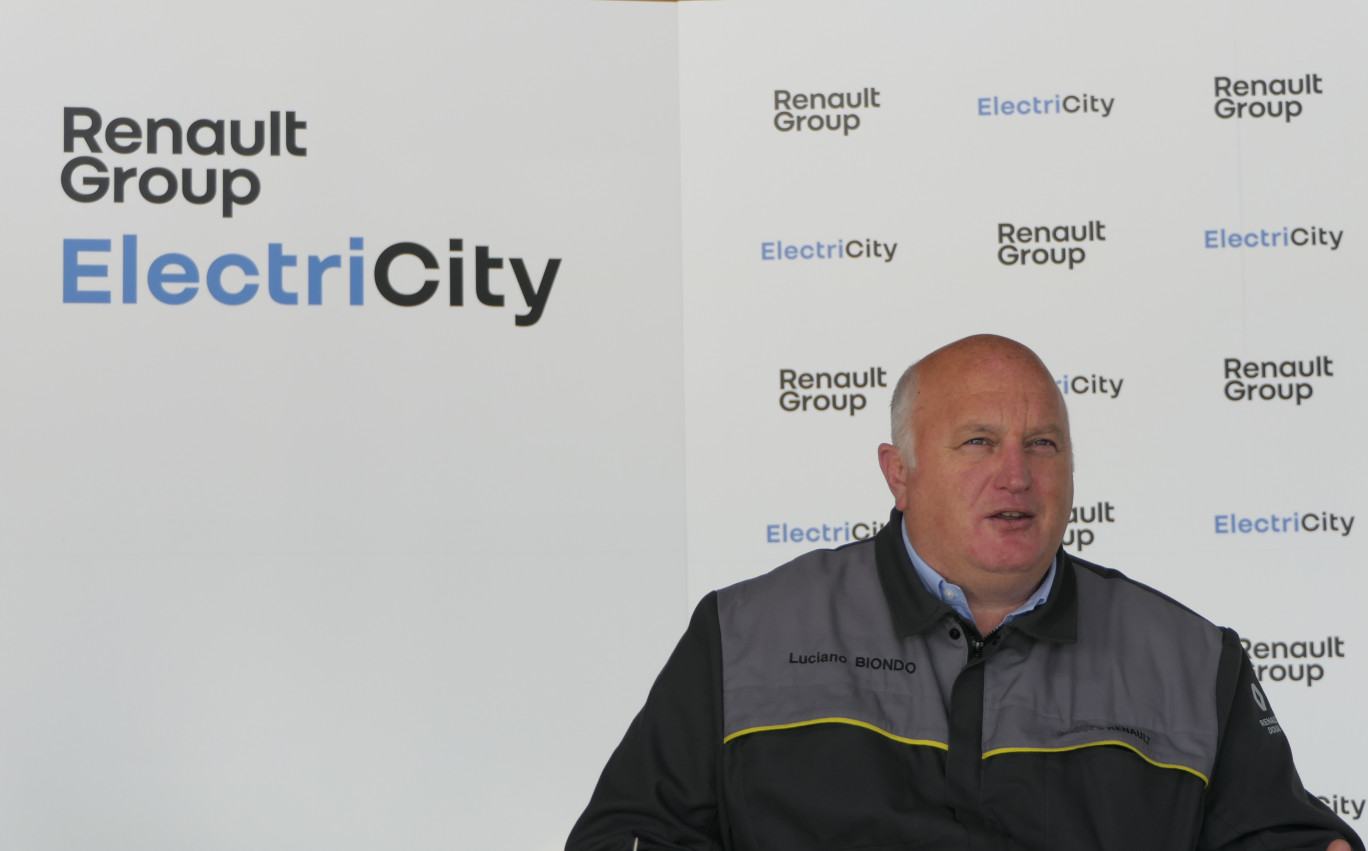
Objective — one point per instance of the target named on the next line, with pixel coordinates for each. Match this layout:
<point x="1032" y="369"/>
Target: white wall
<point x="347" y="576"/>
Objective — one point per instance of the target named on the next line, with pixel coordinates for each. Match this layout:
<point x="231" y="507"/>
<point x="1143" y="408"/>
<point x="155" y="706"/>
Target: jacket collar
<point x="914" y="609"/>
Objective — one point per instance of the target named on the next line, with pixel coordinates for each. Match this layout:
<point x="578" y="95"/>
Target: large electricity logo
<point x="233" y="279"/>
<point x="102" y="270"/>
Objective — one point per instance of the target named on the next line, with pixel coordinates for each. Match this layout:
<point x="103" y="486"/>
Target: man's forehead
<point x="1013" y="387"/>
<point x="997" y="411"/>
<point x="1031" y="402"/>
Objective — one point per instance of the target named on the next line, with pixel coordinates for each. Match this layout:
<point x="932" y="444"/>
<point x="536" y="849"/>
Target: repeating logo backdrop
<point x="1159" y="200"/>
<point x="380" y="395"/>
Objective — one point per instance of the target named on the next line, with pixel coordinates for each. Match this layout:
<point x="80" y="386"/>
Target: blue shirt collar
<point x="953" y="596"/>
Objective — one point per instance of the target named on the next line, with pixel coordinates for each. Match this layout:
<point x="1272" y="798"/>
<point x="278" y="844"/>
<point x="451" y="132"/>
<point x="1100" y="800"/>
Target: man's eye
<point x="976" y="441"/>
<point x="1042" y="441"/>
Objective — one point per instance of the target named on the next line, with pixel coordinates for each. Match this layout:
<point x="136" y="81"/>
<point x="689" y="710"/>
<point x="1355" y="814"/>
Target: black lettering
<point x="258" y="138"/>
<point x="120" y="129"/>
<point x="210" y="186"/>
<point x="121" y="176"/>
<point x="99" y="185"/>
<point x="155" y="124"/>
<point x="144" y="184"/>
<point x="483" y="263"/>
<point x="192" y="137"/>
<point x="230" y="197"/>
<point x="382" y="278"/>
<point x="291" y="125"/>
<point x="70" y="132"/>
<point x="534" y="297"/>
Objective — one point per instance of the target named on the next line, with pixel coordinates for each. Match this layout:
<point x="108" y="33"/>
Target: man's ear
<point x="895" y="473"/>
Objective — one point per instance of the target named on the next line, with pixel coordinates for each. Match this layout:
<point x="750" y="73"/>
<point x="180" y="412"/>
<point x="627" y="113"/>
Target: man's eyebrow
<point x="1052" y="430"/>
<point x="987" y="428"/>
<point x="977" y="428"/>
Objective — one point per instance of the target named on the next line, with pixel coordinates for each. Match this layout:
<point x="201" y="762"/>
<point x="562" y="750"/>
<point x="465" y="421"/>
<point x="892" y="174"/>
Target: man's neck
<point x="989" y="617"/>
<point x="988" y="606"/>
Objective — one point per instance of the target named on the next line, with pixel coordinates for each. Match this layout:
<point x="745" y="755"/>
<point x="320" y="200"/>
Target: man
<point x="959" y="682"/>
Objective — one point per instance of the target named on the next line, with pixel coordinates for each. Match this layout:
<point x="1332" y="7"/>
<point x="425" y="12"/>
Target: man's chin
<point x="1016" y="562"/>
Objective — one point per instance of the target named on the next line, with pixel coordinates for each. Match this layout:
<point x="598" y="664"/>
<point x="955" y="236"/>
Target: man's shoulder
<point x="814" y="575"/>
<point x="811" y="568"/>
<point x="1109" y="593"/>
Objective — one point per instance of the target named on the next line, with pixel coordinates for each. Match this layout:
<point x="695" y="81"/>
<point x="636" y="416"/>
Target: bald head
<point x="944" y="365"/>
<point x="982" y="469"/>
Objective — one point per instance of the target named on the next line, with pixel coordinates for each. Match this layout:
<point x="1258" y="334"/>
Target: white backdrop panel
<point x="339" y="575"/>
<point x="1122" y="138"/>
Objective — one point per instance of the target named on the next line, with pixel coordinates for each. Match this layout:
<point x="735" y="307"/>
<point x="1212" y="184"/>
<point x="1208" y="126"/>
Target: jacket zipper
<point x="976" y="644"/>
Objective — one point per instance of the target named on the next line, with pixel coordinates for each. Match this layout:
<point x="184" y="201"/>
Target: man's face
<point x="988" y="499"/>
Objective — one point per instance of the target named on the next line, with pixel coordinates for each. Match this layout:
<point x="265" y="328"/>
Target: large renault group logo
<point x="1086" y="522"/>
<point x="87" y="178"/>
<point x="1048" y="245"/>
<point x="1279" y="98"/>
<point x="808" y="113"/>
<point x="1276" y="380"/>
<point x="135" y="267"/>
<point x="1304" y="661"/>
<point x="841" y="391"/>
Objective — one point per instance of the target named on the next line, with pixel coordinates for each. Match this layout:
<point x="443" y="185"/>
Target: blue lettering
<point x="358" y="288"/>
<point x="277" y="259"/>
<point x="214" y="279"/>
<point x="130" y="268"/>
<point x="73" y="271"/>
<point x="161" y="273"/>
<point x="317" y="266"/>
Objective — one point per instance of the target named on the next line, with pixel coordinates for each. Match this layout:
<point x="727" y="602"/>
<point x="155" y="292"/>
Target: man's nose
<point x="1013" y="473"/>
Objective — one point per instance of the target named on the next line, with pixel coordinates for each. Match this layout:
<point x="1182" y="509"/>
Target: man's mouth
<point x="1014" y="515"/>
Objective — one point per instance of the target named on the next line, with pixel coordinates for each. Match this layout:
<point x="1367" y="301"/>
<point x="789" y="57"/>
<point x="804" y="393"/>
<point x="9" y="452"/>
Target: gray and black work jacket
<point x="835" y="704"/>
